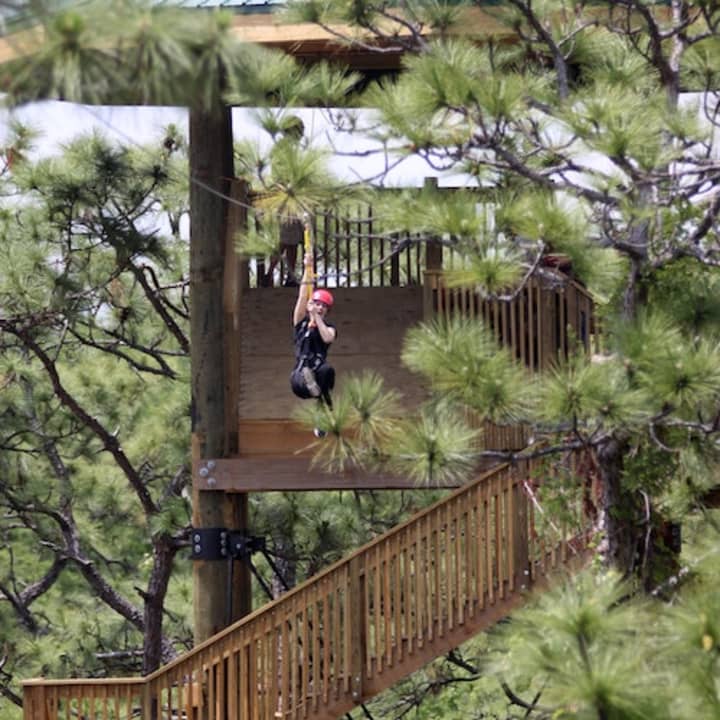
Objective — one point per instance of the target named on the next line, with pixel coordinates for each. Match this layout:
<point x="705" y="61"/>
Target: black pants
<point x="325" y="378"/>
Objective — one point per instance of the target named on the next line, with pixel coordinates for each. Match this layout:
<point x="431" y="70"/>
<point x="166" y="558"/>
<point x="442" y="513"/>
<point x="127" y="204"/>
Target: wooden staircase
<point x="348" y="633"/>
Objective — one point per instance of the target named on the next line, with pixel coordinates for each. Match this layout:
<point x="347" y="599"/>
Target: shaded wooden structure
<point x="405" y="598"/>
<point x="354" y="629"/>
<point x="375" y="305"/>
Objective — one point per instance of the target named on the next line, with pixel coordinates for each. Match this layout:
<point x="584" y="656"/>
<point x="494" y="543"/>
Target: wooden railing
<point x="353" y="630"/>
<point x="349" y="252"/>
<point x="540" y="324"/>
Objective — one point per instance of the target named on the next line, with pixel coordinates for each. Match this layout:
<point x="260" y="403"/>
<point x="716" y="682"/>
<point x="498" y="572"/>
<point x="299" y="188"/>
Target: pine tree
<point x="93" y="321"/>
<point x="580" y="143"/>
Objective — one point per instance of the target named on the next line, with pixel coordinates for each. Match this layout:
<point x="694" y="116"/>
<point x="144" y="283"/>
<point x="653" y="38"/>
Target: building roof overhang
<point x="263" y="24"/>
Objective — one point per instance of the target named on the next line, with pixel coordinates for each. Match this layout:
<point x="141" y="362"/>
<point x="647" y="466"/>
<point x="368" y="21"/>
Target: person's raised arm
<point x="327" y="333"/>
<point x="303" y="290"/>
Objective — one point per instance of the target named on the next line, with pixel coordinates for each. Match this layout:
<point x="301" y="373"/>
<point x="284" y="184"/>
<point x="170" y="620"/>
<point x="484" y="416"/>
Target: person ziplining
<point x="312" y="376"/>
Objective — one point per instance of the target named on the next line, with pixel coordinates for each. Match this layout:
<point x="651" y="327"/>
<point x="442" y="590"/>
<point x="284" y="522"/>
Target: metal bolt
<point x="204" y="472"/>
<point x="210" y="464"/>
<point x="211" y="482"/>
<point x="197" y="549"/>
<point x="196" y="537"/>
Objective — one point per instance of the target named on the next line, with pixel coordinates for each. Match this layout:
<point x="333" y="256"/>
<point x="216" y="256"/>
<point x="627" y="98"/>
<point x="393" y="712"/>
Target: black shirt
<point x="310" y="348"/>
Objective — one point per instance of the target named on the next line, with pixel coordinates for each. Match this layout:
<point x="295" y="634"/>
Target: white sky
<point x="59" y="122"/>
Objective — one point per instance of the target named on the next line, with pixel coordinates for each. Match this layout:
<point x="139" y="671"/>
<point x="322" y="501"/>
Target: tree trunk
<point x="617" y="517"/>
<point x="211" y="168"/>
<point x="153" y="647"/>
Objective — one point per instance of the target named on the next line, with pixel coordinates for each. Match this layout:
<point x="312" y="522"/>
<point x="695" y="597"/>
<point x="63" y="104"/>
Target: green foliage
<point x="436" y="449"/>
<point x="677" y="373"/>
<point x="298" y="180"/>
<point x="580" y="646"/>
<point x="463" y="362"/>
<point x="578" y="146"/>
<point x="360" y="424"/>
<point x="700" y="69"/>
<point x="588" y="395"/>
<point x="562" y="226"/>
<point x="149" y="53"/>
<point x="689" y="296"/>
<point x="92" y="376"/>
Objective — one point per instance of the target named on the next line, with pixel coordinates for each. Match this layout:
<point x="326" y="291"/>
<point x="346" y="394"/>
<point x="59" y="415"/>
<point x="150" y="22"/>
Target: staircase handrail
<point x="356" y="627"/>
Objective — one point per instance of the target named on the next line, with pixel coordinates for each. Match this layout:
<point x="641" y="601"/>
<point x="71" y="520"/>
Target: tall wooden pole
<point x="211" y="168"/>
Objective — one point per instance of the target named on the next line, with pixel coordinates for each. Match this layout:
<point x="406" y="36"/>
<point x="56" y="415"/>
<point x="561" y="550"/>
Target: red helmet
<point x="323" y="296"/>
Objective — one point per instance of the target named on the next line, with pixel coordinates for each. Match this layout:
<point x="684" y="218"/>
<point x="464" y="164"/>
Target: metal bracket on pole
<point x="209" y="543"/>
<point x="221" y="543"/>
<point x="241" y="545"/>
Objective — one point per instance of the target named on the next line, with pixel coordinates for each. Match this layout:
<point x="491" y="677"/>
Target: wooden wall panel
<point x="371" y="324"/>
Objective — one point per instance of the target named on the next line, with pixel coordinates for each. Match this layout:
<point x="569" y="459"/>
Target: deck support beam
<point x="214" y="324"/>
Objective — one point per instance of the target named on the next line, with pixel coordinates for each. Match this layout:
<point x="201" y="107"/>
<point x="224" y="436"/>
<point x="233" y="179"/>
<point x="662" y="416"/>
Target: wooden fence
<point x="346" y="634"/>
<point x="540" y="324"/>
<point x="349" y="252"/>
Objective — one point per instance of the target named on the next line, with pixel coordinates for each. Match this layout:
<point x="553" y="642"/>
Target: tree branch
<point x="109" y="441"/>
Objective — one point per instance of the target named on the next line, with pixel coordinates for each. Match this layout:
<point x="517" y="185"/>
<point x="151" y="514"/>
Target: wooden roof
<point x="257" y="21"/>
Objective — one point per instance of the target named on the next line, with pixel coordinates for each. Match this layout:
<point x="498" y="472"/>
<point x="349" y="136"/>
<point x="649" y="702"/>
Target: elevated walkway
<point x="355" y="629"/>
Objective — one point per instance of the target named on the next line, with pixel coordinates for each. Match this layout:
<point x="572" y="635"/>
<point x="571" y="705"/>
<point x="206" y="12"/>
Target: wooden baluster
<point x="522" y="301"/>
<point x="408" y="260"/>
<point x="436" y="558"/>
<point x="348" y="249"/>
<point x="387" y="601"/>
<point x="459" y="523"/>
<point x="327" y="639"/>
<point x="348" y="622"/>
<point x="411" y="599"/>
<point x="306" y="650"/>
<point x="357" y="631"/>
<point x="421" y="619"/>
<point x="469" y="564"/>
<point x="497" y="499"/>
<point x="337" y="642"/>
<point x="396" y="541"/>
<point x="394" y="265"/>
<point x="451" y="569"/>
<point x="377" y="609"/>
<point x="532" y="328"/>
<point x="490" y="566"/>
<point x="521" y="535"/>
<point x="315" y="629"/>
<point x="34" y="703"/>
<point x="480" y="545"/>
<point x="243" y="701"/>
<point x="294" y="659"/>
<point x="370" y="246"/>
<point x="510" y="526"/>
<point x="285" y="660"/>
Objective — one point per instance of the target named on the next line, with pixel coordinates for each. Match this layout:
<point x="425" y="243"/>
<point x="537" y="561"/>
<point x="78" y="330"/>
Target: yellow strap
<point x="308" y="247"/>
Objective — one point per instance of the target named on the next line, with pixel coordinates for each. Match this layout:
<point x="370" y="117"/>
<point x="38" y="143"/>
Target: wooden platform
<point x="272" y="451"/>
<point x="277" y="455"/>
<point x="271" y="473"/>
